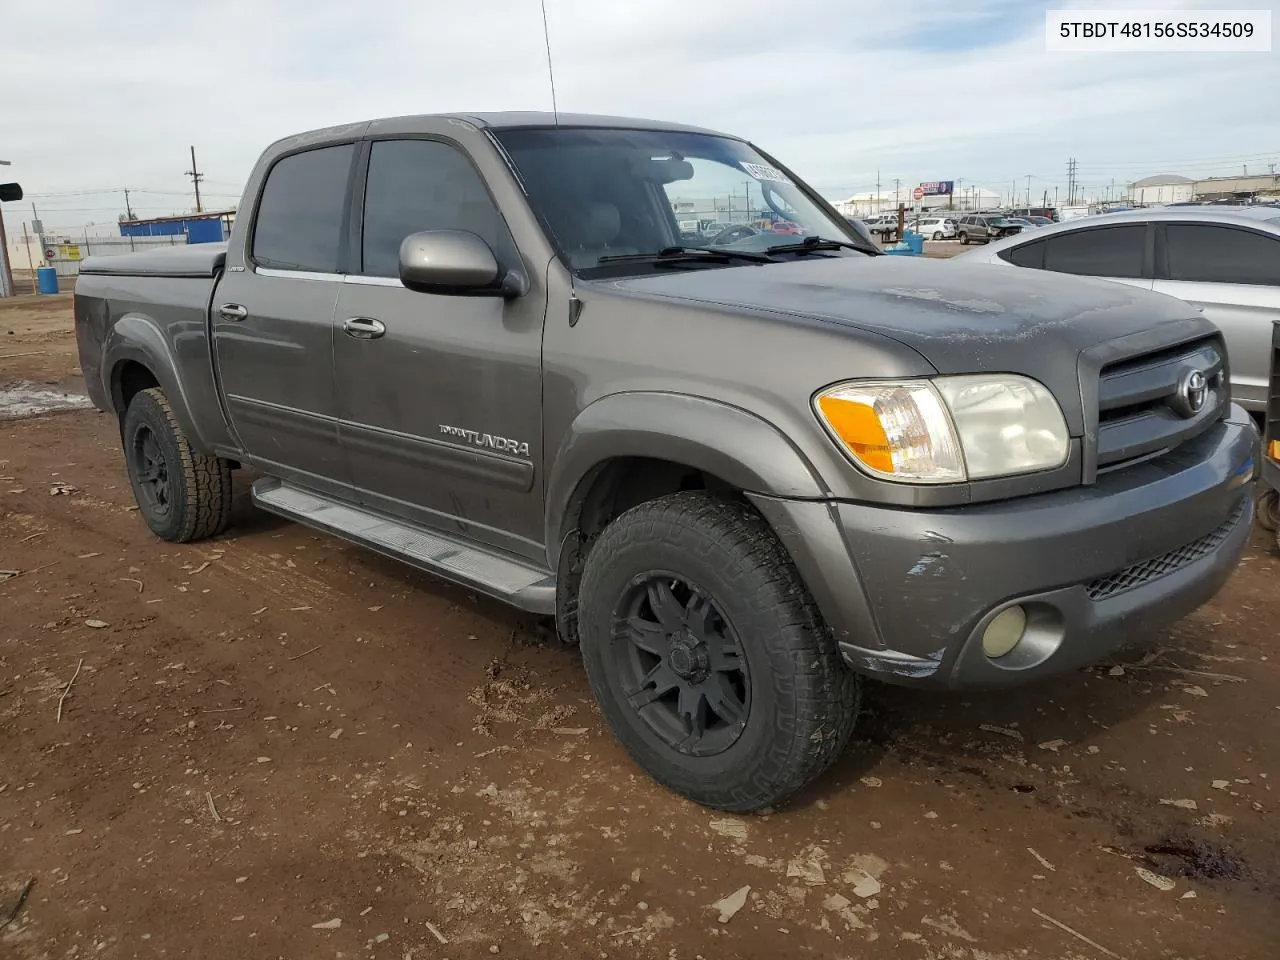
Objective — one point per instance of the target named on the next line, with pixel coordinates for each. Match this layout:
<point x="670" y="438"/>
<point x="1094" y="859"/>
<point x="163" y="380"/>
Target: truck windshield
<point x="606" y="193"/>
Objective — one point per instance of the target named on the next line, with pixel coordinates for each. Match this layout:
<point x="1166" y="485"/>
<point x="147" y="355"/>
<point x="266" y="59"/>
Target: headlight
<point x="948" y="429"/>
<point x="1006" y="424"/>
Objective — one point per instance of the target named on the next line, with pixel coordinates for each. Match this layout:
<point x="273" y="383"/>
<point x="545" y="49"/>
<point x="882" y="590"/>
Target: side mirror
<point x="10" y="192"/>
<point x="455" y="263"/>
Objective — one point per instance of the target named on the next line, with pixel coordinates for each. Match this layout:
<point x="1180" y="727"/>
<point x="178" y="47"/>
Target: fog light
<point x="1004" y="632"/>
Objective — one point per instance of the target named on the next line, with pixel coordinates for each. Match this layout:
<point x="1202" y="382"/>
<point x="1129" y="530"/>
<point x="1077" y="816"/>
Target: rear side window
<point x="299" y="222"/>
<point x="1212" y="254"/>
<point x="1099" y="252"/>
<point x="1025" y="255"/>
<point x="421" y="185"/>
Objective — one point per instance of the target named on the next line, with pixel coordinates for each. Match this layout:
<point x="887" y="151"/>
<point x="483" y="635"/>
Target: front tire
<point x="964" y="239"/>
<point x="182" y="495"/>
<point x="707" y="655"/>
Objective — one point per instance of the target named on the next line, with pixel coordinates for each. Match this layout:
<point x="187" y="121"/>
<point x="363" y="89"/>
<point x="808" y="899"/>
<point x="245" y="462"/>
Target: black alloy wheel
<point x="151" y="471"/>
<point x="682" y="665"/>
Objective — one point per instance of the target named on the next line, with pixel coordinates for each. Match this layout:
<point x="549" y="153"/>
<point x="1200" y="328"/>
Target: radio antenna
<point x="546" y="36"/>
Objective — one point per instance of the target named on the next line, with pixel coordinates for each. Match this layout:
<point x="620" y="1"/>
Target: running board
<point x="496" y="575"/>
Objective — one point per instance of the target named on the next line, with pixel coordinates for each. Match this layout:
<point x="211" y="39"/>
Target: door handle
<point x="364" y="328"/>
<point x="232" y="312"/>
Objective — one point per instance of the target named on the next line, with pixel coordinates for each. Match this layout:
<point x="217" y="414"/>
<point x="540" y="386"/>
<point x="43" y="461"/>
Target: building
<point x="1162" y="188"/>
<point x="1265" y="187"/>
<point x="871" y="203"/>
<point x="210" y="227"/>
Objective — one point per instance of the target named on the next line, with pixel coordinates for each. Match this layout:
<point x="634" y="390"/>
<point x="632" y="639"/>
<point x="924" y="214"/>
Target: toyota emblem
<point x="1194" y="392"/>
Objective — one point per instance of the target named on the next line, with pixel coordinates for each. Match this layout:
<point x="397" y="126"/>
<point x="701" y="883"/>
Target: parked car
<point x="738" y="475"/>
<point x="985" y="227"/>
<point x="935" y="228"/>
<point x="884" y="225"/>
<point x="1223" y="260"/>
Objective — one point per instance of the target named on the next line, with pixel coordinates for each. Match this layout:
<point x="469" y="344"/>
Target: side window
<point x="1025" y="255"/>
<point x="1098" y="252"/>
<point x="299" y="220"/>
<point x="1221" y="255"/>
<point x="421" y="185"/>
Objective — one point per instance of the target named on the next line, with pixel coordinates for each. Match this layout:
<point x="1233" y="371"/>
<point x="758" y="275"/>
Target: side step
<point x="497" y="575"/>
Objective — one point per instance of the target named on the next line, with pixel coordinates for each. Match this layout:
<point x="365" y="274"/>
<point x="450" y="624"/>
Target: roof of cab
<point x="505" y="120"/>
<point x="501" y="120"/>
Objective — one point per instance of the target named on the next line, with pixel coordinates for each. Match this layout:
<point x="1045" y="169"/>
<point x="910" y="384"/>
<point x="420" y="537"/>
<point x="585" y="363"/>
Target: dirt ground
<point x="278" y="745"/>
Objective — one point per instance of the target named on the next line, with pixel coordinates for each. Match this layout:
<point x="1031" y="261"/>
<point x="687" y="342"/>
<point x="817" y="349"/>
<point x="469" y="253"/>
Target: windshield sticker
<point x="762" y="171"/>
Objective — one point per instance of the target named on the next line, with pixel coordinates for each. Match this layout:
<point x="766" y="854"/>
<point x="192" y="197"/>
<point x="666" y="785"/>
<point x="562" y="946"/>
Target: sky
<point x="98" y="96"/>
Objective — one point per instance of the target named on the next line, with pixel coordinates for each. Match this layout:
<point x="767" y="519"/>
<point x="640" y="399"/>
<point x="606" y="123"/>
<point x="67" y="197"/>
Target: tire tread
<point x="206" y="480"/>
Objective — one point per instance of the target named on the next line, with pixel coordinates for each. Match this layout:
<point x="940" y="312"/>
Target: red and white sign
<point x="918" y="193"/>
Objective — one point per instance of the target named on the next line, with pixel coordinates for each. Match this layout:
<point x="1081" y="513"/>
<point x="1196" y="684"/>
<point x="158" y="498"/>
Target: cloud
<point x="838" y="90"/>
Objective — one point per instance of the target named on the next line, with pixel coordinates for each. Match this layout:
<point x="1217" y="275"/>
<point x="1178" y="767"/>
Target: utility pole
<point x="896" y="200"/>
<point x="1028" y="194"/>
<point x="196" y="176"/>
<point x="6" y="275"/>
<point x="877" y="191"/>
<point x="38" y="229"/>
<point x="128" y="210"/>
<point x="1071" y="180"/>
<point x="26" y="242"/>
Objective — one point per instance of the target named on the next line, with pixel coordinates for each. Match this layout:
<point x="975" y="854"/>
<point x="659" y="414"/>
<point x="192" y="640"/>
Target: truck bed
<point x="196" y="260"/>
<point x="151" y="310"/>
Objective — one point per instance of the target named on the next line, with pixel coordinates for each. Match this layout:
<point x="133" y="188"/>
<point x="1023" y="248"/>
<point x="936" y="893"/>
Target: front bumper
<point x="908" y="593"/>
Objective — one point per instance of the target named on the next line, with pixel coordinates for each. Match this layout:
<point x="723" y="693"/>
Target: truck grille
<point x="1122" y="581"/>
<point x="1143" y="404"/>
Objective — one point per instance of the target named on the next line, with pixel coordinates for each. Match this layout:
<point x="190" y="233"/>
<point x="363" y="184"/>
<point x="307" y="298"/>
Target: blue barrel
<point x="915" y="241"/>
<point x="47" y="278"/>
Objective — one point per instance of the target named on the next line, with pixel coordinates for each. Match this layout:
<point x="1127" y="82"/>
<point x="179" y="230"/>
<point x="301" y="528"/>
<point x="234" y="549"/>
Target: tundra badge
<point x="475" y="438"/>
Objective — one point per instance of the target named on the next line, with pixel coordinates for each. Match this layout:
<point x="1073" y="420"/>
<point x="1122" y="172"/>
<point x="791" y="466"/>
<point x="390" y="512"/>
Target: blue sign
<point x="938" y="188"/>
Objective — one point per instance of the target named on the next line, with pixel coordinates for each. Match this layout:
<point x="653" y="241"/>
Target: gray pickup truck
<point x="740" y="474"/>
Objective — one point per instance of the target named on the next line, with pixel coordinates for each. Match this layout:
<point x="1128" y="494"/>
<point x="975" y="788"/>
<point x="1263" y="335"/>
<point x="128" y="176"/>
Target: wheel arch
<point x="137" y="356"/>
<point x="627" y="449"/>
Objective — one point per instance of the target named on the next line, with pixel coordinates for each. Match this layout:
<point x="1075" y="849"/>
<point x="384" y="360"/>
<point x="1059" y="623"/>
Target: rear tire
<point x="1269" y="510"/>
<point x="937" y="234"/>
<point x="707" y="655"/>
<point x="182" y="495"/>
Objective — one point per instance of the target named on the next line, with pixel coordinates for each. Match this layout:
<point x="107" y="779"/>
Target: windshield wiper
<point x="809" y="244"/>
<point x="686" y="255"/>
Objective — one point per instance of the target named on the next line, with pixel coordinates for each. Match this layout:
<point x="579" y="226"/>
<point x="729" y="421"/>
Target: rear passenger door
<point x="441" y="414"/>
<point x="273" y="320"/>
<point x="1233" y="274"/>
<point x="1120" y="252"/>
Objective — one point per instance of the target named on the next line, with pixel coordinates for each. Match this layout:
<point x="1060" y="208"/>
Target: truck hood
<point x="962" y="318"/>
